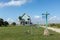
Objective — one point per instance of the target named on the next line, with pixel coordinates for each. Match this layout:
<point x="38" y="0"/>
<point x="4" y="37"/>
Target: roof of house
<point x="25" y="17"/>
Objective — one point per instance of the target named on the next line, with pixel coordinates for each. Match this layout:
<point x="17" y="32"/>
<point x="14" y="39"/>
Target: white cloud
<point x="17" y="21"/>
<point x="10" y="20"/>
<point x="14" y="3"/>
<point x="36" y="17"/>
<point x="54" y="18"/>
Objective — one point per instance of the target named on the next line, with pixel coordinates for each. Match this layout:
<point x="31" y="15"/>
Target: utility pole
<point x="46" y="32"/>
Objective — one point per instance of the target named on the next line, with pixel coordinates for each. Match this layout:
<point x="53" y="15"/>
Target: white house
<point x="26" y="18"/>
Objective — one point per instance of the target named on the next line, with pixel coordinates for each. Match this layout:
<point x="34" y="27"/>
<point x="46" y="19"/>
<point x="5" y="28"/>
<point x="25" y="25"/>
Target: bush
<point x="14" y="23"/>
<point x="54" y="25"/>
<point x="1" y="21"/>
<point x="6" y="23"/>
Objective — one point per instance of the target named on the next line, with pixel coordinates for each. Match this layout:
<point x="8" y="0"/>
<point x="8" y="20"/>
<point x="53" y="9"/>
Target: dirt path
<point x="53" y="29"/>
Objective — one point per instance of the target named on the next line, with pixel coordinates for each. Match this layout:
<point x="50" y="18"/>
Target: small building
<point x="27" y="19"/>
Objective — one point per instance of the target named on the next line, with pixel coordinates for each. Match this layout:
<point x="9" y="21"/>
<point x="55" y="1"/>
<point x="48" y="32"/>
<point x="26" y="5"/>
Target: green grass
<point x="19" y="33"/>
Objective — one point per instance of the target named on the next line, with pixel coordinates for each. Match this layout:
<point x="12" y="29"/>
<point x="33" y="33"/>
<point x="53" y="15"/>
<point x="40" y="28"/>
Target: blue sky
<point x="11" y="9"/>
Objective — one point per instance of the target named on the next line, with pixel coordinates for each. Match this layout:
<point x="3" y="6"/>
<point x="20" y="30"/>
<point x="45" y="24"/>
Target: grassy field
<point x="19" y="33"/>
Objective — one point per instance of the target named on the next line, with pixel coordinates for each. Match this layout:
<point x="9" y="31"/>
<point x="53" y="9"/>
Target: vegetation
<point x="25" y="32"/>
<point x="13" y="23"/>
<point x="19" y="33"/>
<point x="3" y="23"/>
<point x="6" y="23"/>
<point x="20" y="19"/>
<point x="54" y="25"/>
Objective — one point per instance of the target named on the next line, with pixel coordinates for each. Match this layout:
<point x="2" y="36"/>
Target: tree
<point x="20" y="19"/>
<point x="6" y="23"/>
<point x="14" y="23"/>
<point x="1" y="22"/>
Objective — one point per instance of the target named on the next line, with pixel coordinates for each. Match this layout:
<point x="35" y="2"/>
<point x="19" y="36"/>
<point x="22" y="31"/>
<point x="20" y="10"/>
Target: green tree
<point x="6" y="23"/>
<point x="20" y="19"/>
<point x="1" y="22"/>
<point x="14" y="23"/>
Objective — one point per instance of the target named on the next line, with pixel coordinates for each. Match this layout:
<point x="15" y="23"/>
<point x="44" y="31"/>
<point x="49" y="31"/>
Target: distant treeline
<point x="5" y="23"/>
<point x="54" y="25"/>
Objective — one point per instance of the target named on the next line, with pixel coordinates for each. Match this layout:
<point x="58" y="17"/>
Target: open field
<point x="19" y="33"/>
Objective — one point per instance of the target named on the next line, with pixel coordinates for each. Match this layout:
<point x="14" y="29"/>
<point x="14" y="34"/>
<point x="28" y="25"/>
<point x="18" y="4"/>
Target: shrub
<point x="14" y="23"/>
